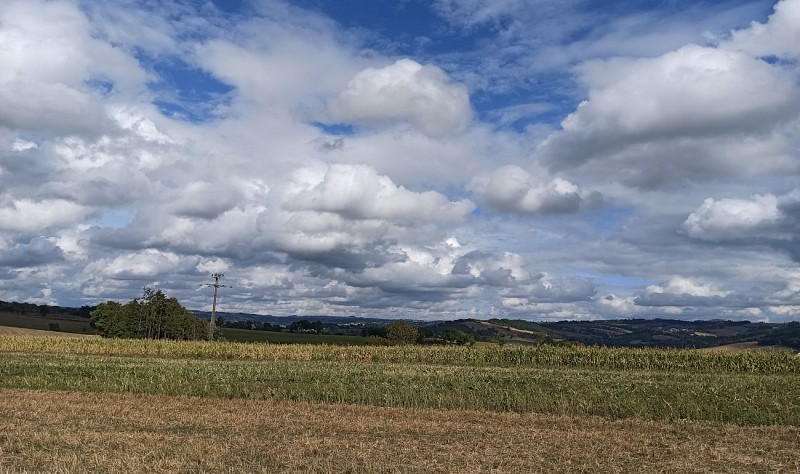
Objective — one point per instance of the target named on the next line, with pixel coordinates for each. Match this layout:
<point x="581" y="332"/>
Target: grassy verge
<point x="738" y="398"/>
<point x="81" y="432"/>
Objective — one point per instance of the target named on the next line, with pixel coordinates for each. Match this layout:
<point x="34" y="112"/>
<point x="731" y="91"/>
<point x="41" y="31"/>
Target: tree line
<point x="43" y="309"/>
<point x="153" y="316"/>
<point x="393" y="333"/>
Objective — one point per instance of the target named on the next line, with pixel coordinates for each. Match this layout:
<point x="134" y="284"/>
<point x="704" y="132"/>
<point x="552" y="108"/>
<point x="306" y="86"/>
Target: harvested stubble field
<point x="14" y="331"/>
<point x="138" y="406"/>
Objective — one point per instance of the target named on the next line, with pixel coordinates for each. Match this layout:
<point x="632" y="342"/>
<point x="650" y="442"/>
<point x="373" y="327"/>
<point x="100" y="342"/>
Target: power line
<point x="213" y="324"/>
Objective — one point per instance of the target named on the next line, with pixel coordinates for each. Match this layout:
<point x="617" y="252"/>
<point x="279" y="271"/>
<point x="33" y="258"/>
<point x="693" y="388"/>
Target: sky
<point x="412" y="159"/>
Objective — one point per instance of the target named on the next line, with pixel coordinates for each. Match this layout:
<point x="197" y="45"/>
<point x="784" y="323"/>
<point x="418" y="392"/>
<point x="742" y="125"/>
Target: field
<point x="249" y="335"/>
<point x="66" y="324"/>
<point x="136" y="406"/>
<point x="14" y="331"/>
<point x="76" y="325"/>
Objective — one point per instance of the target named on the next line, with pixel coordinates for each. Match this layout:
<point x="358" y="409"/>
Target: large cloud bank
<point x="500" y="164"/>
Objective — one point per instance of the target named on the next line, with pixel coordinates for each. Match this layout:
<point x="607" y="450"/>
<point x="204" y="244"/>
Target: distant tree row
<point x="307" y="326"/>
<point x="42" y="309"/>
<point x="789" y="336"/>
<point x="253" y="325"/>
<point x="153" y="316"/>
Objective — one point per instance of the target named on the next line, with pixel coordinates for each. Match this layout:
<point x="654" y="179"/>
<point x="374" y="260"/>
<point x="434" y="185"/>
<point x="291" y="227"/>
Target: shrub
<point x="401" y="333"/>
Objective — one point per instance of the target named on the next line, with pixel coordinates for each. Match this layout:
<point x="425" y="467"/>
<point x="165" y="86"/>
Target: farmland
<point x="65" y="324"/>
<point x="42" y="431"/>
<point x="14" y="331"/>
<point x="331" y="408"/>
<point x="661" y="333"/>
<point x="248" y="335"/>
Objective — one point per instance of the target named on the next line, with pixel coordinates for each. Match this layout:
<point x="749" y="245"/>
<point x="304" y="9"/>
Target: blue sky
<point x="422" y="159"/>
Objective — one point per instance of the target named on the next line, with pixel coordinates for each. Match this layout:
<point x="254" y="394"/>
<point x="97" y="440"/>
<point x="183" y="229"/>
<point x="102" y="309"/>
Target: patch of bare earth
<point x="86" y="432"/>
<point x="735" y="347"/>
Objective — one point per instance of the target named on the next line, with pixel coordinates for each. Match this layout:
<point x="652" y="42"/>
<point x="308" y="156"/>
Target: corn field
<point x="728" y="397"/>
<point x="756" y="362"/>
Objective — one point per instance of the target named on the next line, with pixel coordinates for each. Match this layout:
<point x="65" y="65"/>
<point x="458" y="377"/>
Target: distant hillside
<point x="625" y="332"/>
<point x="674" y="333"/>
<point x="286" y="320"/>
<point x="494" y="330"/>
<point x="612" y="333"/>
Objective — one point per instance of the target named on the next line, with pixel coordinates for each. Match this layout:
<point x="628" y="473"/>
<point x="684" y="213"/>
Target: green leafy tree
<point x="154" y="316"/>
<point x="307" y="326"/>
<point x="401" y="333"/>
<point x="112" y="319"/>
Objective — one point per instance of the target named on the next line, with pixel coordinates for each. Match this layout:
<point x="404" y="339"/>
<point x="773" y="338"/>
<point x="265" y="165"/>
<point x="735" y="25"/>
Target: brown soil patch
<point x="85" y="432"/>
<point x="736" y="347"/>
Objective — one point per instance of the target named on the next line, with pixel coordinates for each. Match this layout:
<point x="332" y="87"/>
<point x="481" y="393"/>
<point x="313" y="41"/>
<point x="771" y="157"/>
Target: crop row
<point x="744" y="399"/>
<point x="757" y="362"/>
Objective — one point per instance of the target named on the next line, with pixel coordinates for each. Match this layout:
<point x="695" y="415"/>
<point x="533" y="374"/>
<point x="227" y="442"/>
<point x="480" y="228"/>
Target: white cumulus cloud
<point x="405" y="91"/>
<point x="686" y="286"/>
<point x="779" y="36"/>
<point x="695" y="113"/>
<point x="726" y="218"/>
<point x="144" y="264"/>
<point x="513" y="189"/>
<point x="47" y="58"/>
<point x="26" y="215"/>
<point x="359" y="192"/>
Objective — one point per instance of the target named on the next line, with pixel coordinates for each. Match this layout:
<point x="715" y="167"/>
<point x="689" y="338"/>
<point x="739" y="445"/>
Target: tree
<point x="400" y="332"/>
<point x="112" y="319"/>
<point x="457" y="336"/>
<point x="307" y="326"/>
<point x="154" y="316"/>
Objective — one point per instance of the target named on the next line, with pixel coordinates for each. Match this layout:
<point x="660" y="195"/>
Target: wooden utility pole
<point x="213" y="323"/>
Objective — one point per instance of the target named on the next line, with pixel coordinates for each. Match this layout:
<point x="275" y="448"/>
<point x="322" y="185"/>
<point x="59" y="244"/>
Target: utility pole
<point x="212" y="325"/>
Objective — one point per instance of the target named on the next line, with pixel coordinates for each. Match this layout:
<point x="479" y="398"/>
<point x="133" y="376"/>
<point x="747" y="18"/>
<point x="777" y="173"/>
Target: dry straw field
<point x="13" y="331"/>
<point x="137" y="406"/>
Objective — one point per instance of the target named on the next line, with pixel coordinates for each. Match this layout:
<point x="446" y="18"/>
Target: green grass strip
<point x="743" y="399"/>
